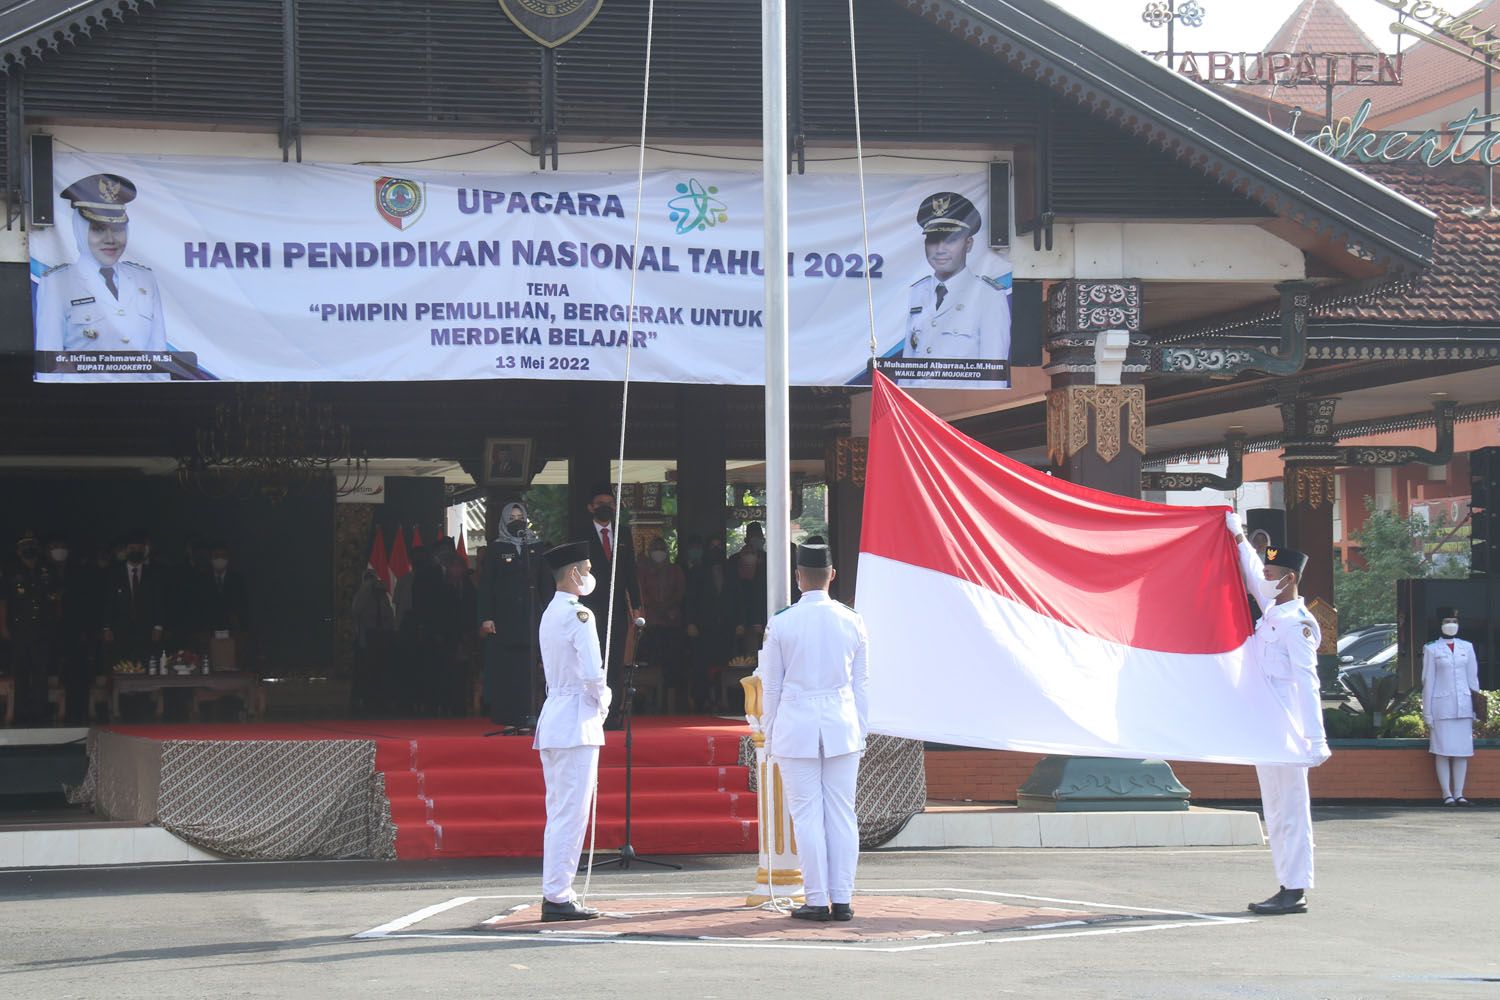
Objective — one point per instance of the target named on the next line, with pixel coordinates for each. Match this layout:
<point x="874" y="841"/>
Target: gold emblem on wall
<point x="551" y="22"/>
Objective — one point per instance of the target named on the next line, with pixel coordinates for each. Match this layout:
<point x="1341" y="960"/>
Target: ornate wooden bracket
<point x="1223" y="361"/>
<point x="1233" y="478"/>
<point x="845" y="460"/>
<point x="1381" y="455"/>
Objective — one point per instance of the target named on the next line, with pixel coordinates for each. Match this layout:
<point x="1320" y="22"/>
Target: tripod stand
<point x="627" y="853"/>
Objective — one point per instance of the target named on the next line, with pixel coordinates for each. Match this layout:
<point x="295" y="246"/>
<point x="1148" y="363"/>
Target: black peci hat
<point x="566" y="554"/>
<point x="1287" y="558"/>
<point x="814" y="556"/>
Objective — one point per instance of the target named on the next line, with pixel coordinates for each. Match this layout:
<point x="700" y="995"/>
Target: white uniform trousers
<point x="569" y="773"/>
<point x="820" y="794"/>
<point x="1283" y="794"/>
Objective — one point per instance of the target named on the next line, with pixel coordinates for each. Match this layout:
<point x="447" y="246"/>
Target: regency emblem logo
<point x="551" y="22"/>
<point x="399" y="201"/>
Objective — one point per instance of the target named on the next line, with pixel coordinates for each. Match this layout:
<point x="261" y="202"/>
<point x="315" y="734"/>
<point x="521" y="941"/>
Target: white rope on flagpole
<point x="859" y="159"/>
<point x="614" y="538"/>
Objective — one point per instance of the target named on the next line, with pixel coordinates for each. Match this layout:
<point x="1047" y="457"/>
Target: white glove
<point x="606" y="696"/>
<point x="1232" y="521"/>
<point x="1320" y="752"/>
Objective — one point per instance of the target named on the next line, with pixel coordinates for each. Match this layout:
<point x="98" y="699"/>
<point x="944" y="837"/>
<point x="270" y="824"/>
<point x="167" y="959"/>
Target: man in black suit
<point x="609" y="542"/>
<point x="134" y="608"/>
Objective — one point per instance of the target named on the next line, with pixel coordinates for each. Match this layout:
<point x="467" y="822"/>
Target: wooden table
<point x="205" y="687"/>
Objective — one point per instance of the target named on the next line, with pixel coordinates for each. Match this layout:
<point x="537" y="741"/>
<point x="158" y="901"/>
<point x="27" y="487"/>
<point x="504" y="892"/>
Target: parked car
<point x="1367" y="652"/>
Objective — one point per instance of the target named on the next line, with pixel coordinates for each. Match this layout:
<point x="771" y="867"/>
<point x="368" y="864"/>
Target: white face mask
<point x="59" y="555"/>
<point x="658" y="556"/>
<point x="221" y="564"/>
<point x="1450" y="629"/>
<point x="586" y="584"/>
<point x="1269" y="590"/>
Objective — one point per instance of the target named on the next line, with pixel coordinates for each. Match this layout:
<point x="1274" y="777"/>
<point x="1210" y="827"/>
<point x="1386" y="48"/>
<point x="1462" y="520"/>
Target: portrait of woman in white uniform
<point x="100" y="302"/>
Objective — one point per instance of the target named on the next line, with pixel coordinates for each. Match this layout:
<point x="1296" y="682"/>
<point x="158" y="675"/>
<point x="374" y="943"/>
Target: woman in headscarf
<point x="514" y="587"/>
<point x="100" y="302"/>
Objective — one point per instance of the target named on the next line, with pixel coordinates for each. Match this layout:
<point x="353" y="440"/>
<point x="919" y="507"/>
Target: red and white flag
<point x="1012" y="610"/>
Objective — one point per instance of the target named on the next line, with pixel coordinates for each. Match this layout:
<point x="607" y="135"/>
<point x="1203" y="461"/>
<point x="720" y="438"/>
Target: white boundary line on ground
<point x="398" y="928"/>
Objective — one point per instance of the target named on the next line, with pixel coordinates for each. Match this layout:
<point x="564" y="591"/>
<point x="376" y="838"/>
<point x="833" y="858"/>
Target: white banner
<point x="255" y="270"/>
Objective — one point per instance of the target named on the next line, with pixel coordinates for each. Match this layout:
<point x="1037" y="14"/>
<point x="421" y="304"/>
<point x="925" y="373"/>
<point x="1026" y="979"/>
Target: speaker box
<point x="42" y="199"/>
<point x="999" y="206"/>
<point x="1270" y="519"/>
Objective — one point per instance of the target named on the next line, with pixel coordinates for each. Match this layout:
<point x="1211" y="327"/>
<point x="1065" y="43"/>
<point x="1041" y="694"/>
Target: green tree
<point x="1392" y="548"/>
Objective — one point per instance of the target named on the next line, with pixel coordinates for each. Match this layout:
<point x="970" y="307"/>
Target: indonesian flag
<point x="1012" y="610"/>
<point x="400" y="562"/>
<point x="377" y="560"/>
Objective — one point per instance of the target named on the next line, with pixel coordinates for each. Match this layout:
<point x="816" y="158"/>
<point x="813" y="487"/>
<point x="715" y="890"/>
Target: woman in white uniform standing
<point x="100" y="302"/>
<point x="1450" y="676"/>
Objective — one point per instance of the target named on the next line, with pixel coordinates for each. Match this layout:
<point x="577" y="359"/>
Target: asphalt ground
<point x="1406" y="906"/>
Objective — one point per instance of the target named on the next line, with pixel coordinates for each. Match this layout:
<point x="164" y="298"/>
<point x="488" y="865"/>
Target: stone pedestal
<point x="1102" y="784"/>
<point x="778" y="872"/>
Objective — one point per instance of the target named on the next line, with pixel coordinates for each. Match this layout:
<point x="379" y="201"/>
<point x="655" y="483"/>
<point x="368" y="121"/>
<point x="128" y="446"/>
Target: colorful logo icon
<point x="399" y="201"/>
<point x="696" y="207"/>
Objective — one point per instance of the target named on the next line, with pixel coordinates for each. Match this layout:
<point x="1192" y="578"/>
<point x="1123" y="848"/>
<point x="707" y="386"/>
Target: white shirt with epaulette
<point x="972" y="321"/>
<point x="815" y="672"/>
<point x="577" y="694"/>
<point x="77" y="312"/>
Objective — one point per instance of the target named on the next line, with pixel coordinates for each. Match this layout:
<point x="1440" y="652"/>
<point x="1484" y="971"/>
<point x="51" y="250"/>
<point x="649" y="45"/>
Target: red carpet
<point x="457" y="794"/>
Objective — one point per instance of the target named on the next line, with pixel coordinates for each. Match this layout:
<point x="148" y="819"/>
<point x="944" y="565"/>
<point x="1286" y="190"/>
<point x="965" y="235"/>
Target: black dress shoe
<point x="818" y="913"/>
<point x="1285" y="901"/>
<point x="1461" y="801"/>
<point x="572" y="910"/>
<point x="843" y="911"/>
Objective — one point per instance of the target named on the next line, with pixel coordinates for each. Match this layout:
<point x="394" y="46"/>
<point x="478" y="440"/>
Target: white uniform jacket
<point x="1285" y="648"/>
<point x="577" y="695"/>
<point x="973" y="321"/>
<point x="76" y="312"/>
<point x="1447" y="678"/>
<point x="814" y="673"/>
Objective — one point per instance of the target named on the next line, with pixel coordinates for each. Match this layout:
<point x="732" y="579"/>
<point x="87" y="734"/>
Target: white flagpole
<point x="778" y="446"/>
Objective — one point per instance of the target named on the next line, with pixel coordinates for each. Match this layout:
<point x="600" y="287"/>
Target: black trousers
<point x="507" y="683"/>
<point x="30" y="658"/>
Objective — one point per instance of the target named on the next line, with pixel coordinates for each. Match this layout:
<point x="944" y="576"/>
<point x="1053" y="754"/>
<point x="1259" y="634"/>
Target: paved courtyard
<point x="1403" y="909"/>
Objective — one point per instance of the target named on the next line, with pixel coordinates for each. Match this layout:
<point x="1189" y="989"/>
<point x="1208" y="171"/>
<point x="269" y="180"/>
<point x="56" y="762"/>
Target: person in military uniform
<point x="954" y="312"/>
<point x="101" y="302"/>
<point x="570" y="730"/>
<point x="28" y="622"/>
<point x="1450" y="679"/>
<point x="1285" y="649"/>
<point x="511" y="588"/>
<point x="814" y="674"/>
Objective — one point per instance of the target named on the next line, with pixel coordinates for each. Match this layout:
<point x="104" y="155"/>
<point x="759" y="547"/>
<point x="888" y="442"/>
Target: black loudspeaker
<point x="1270" y="519"/>
<point x="1477" y="602"/>
<point x="42" y="199"/>
<point x="999" y="206"/>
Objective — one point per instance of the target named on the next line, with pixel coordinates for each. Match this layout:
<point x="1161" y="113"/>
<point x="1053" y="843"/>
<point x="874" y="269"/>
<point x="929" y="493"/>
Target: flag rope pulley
<point x="614" y="538"/>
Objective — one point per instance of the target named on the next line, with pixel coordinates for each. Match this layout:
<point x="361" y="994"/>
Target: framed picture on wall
<point x="506" y="461"/>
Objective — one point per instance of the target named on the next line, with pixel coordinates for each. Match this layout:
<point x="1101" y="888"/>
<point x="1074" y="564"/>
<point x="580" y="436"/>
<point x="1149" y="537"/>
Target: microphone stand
<point x="627" y="853"/>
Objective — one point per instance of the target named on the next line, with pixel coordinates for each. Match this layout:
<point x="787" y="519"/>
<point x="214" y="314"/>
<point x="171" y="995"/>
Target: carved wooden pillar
<point x="1311" y="454"/>
<point x="1096" y="433"/>
<point x="844" y="469"/>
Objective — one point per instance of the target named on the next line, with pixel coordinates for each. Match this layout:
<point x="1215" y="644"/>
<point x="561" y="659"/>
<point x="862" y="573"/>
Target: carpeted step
<point x="528" y="780"/>
<point x="523" y="839"/>
<point x="686" y="807"/>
